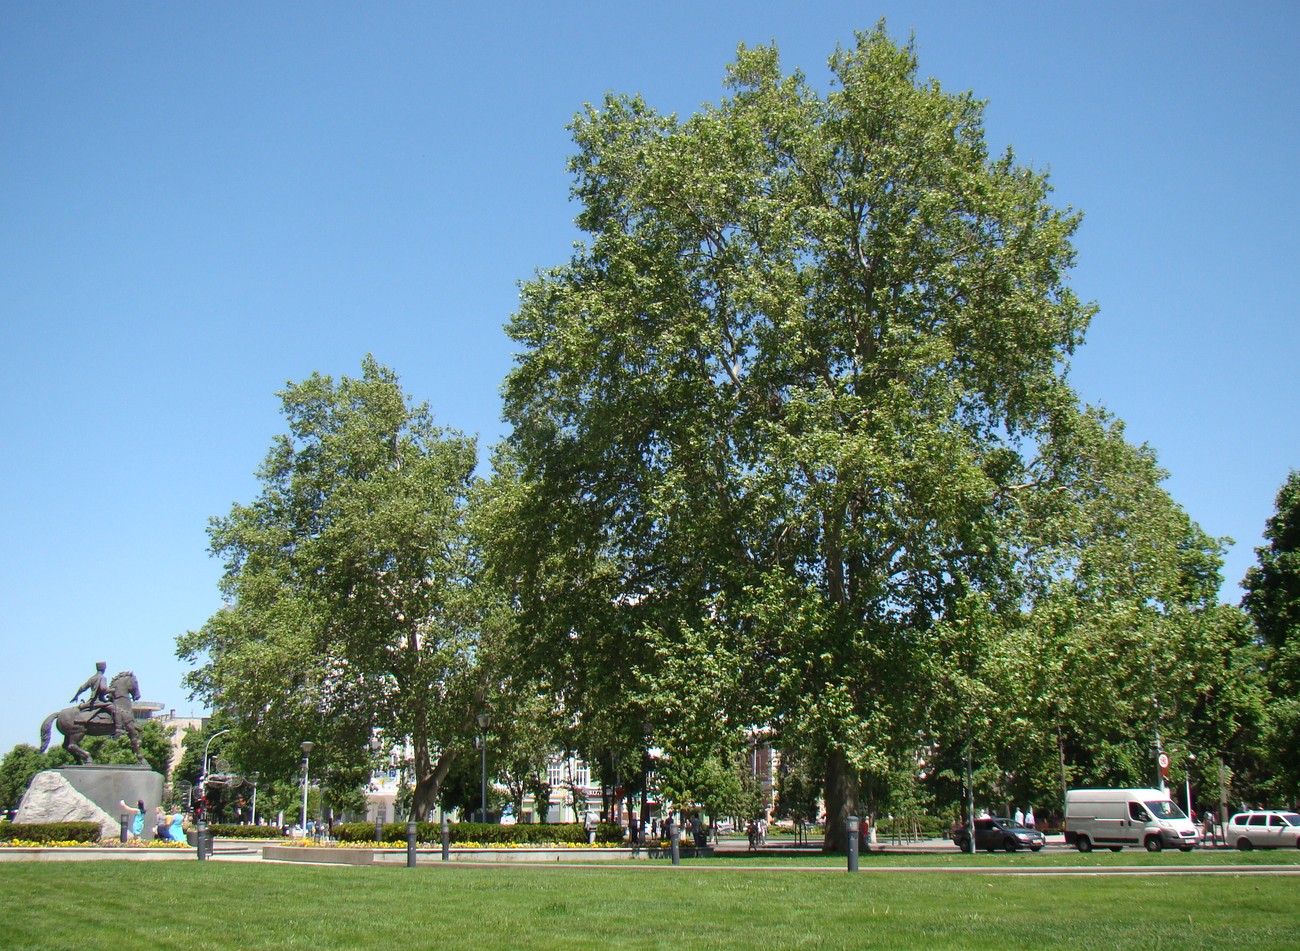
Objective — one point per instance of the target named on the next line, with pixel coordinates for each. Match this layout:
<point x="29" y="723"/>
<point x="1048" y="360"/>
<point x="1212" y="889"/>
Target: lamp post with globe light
<point x="306" y="765"/>
<point x="484" y="721"/>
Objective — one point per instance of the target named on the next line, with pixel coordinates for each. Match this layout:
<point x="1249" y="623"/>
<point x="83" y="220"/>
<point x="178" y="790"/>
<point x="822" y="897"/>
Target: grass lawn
<point x="951" y="858"/>
<point x="193" y="905"/>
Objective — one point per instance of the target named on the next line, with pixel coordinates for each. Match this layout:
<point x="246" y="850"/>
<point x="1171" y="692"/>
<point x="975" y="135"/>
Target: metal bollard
<point x="675" y="839"/>
<point x="446" y="840"/>
<point x="410" y="843"/>
<point x="379" y="829"/>
<point x="126" y="830"/>
<point x="853" y="830"/>
<point x="201" y="835"/>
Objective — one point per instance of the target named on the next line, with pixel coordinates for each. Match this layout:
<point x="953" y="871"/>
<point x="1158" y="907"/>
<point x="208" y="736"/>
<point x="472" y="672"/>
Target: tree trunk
<point x="427" y="787"/>
<point x="841" y="800"/>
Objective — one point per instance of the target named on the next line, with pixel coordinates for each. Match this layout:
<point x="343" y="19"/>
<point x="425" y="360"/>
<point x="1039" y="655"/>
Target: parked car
<point x="996" y="833"/>
<point x="1264" y="829"/>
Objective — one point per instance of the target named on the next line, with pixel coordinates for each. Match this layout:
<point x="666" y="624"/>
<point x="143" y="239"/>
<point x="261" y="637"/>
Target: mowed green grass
<point x="1052" y="858"/>
<point x="193" y="905"/>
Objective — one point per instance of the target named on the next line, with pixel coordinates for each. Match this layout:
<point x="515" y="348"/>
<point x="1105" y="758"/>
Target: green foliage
<point x="919" y="825"/>
<point x="231" y="831"/>
<point x="87" y="832"/>
<point x="1273" y="585"/>
<point x="720" y="783"/>
<point x="1273" y="603"/>
<point x="350" y="603"/>
<point x="798" y="788"/>
<point x="155" y="745"/>
<point x="793" y="440"/>
<point x="480" y="832"/>
<point x="18" y="767"/>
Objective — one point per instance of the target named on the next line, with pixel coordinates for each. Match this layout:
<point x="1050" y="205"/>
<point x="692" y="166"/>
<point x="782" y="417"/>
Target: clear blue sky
<point x="201" y="201"/>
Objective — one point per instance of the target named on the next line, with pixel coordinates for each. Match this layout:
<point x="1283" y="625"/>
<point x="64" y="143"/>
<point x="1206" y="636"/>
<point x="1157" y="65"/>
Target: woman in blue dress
<point x="137" y="821"/>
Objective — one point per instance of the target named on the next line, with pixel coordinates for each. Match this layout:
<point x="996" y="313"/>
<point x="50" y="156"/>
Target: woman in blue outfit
<point x="137" y="821"/>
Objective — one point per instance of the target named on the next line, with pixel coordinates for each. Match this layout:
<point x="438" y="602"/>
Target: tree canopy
<point x="794" y="421"/>
<point x="348" y="582"/>
<point x="1273" y="603"/>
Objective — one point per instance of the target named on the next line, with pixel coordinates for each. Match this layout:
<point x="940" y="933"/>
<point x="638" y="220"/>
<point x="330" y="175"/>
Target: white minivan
<point x="1114" y="818"/>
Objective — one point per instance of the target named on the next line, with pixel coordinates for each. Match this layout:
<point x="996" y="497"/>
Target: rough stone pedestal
<point x="92" y="794"/>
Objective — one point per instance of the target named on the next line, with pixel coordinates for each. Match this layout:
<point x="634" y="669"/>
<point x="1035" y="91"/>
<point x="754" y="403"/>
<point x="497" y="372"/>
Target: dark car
<point x="995" y="833"/>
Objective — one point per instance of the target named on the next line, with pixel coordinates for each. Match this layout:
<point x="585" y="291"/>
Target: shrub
<point x="480" y="832"/>
<point x="225" y="831"/>
<point x="87" y="832"/>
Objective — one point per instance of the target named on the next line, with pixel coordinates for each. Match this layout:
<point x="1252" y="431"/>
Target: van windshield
<point x="1164" y="809"/>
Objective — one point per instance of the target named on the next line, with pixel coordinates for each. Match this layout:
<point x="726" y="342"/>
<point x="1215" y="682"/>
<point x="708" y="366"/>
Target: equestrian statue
<point x="106" y="712"/>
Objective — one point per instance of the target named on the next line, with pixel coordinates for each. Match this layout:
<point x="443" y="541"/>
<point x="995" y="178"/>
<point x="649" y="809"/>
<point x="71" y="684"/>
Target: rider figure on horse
<point x="100" y="698"/>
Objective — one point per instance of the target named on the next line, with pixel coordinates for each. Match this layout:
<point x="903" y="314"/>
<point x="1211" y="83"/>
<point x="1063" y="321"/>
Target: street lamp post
<point x="484" y="721"/>
<point x="306" y="765"/>
<point x="1187" y="783"/>
<point x="254" y="777"/>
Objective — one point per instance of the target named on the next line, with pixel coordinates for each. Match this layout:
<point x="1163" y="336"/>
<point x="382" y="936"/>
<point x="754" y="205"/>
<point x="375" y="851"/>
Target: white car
<point x="1264" y="829"/>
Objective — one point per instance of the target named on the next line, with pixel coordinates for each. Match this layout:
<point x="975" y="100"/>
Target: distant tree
<point x="1272" y="601"/>
<point x="350" y="604"/>
<point x="524" y="740"/>
<point x="20" y="764"/>
<point x="155" y="744"/>
<point x="798" y="789"/>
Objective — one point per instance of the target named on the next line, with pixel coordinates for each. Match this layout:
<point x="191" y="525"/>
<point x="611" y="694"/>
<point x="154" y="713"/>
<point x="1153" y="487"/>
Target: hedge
<point x="87" y="832"/>
<point x="229" y="831"/>
<point x="480" y="832"/>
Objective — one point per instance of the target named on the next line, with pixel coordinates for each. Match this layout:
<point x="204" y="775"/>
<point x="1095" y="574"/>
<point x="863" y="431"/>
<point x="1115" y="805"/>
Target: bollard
<point x="446" y="840"/>
<point x="410" y="843"/>
<point x="675" y="839"/>
<point x="853" y="829"/>
<point x="126" y="830"/>
<point x="379" y="828"/>
<point x="200" y="835"/>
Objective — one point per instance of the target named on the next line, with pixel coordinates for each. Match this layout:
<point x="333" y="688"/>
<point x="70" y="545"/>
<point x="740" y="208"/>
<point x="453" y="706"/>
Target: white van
<point x="1114" y="818"/>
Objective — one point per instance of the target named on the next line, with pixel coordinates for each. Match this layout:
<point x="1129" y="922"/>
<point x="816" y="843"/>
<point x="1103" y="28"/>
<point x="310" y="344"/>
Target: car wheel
<point x="1011" y="845"/>
<point x="1245" y="845"/>
<point x="1154" y="844"/>
<point x="1039" y="848"/>
<point x="963" y="845"/>
<point x="1083" y="844"/>
<point x="1117" y="848"/>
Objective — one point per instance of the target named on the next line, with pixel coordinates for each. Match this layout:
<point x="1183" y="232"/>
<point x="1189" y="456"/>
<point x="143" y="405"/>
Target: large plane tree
<point x="774" y="417"/>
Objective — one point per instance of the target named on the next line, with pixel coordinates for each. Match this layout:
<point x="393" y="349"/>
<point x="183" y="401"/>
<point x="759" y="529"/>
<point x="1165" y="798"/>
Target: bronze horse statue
<point x="75" y="723"/>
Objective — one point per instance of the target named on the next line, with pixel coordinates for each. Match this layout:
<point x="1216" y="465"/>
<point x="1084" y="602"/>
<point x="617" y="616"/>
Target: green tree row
<point x="794" y="450"/>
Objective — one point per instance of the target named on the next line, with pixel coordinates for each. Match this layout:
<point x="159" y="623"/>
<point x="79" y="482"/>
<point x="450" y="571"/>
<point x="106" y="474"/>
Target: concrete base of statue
<point x="93" y="794"/>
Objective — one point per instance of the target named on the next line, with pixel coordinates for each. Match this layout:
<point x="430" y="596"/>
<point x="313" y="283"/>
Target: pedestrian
<point x="161" y="824"/>
<point x="1019" y="817"/>
<point x="1207" y="827"/>
<point x="137" y="822"/>
<point x="1029" y="817"/>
